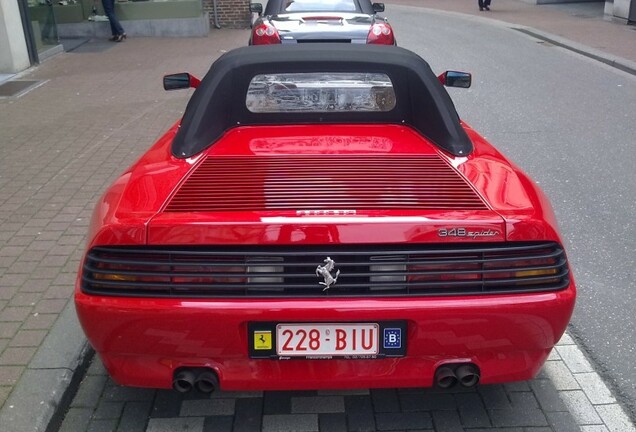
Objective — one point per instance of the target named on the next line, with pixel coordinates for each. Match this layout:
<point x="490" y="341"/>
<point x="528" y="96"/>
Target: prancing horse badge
<point x="325" y="272"/>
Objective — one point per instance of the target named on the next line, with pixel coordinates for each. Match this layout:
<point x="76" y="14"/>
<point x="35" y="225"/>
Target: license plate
<point x="295" y="340"/>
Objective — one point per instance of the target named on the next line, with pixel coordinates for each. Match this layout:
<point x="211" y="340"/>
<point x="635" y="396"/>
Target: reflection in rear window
<point x="320" y="92"/>
<point x="320" y="6"/>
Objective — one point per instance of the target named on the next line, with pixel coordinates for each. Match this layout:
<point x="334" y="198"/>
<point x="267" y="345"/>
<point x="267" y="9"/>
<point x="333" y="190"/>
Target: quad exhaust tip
<point x="206" y="382"/>
<point x="183" y="381"/>
<point x="447" y="376"/>
<point x="202" y="379"/>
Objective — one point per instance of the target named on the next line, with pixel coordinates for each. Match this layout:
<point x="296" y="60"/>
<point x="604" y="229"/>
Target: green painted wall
<point x="131" y="10"/>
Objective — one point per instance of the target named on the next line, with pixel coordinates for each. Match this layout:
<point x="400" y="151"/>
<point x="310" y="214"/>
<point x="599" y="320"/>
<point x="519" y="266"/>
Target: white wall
<point x="621" y="8"/>
<point x="14" y="56"/>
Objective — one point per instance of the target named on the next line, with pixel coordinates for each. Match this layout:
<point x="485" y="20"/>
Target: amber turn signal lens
<point x="530" y="273"/>
<point x="115" y="277"/>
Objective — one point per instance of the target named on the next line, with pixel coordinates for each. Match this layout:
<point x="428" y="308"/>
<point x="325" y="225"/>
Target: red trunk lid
<point x="314" y="185"/>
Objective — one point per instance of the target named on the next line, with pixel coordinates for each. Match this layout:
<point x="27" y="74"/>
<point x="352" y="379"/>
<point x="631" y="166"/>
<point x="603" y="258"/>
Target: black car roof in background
<point x="275" y="7"/>
<point x="219" y="102"/>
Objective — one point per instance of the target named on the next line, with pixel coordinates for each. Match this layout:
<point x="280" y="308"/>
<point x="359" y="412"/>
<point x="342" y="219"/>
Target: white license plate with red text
<point x="327" y="339"/>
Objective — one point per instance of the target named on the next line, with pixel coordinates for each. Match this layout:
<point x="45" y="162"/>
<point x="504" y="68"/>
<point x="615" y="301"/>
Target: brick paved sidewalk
<point x="96" y="110"/>
<point x="61" y="144"/>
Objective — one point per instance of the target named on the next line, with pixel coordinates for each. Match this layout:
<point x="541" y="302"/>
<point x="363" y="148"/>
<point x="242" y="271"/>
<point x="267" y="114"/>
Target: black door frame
<point x="28" y="32"/>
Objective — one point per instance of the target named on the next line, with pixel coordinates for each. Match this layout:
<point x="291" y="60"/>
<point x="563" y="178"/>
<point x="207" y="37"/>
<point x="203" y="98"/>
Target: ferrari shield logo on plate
<point x="262" y="340"/>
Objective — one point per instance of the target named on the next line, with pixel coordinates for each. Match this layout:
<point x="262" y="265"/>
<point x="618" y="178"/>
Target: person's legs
<point x="109" y="9"/>
<point x="481" y="4"/>
<point x="487" y="4"/>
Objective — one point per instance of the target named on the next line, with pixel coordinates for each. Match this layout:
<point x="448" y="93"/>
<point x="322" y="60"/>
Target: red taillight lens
<point x="381" y="34"/>
<point x="522" y="269"/>
<point x="444" y="272"/>
<point x="265" y="34"/>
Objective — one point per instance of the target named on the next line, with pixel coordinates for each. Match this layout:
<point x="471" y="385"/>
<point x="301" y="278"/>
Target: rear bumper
<point x="143" y="341"/>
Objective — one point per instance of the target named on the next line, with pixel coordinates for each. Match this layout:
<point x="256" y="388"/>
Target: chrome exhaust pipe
<point x="183" y="381"/>
<point x="467" y="375"/>
<point x="206" y="382"/>
<point x="445" y="377"/>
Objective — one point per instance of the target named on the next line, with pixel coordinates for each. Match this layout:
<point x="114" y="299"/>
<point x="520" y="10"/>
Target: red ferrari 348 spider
<point x="321" y="218"/>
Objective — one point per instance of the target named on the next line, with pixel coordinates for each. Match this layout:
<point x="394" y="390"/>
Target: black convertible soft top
<point x="218" y="104"/>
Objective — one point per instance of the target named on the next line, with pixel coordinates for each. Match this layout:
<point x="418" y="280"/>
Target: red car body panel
<point x="142" y="341"/>
<point x="509" y="338"/>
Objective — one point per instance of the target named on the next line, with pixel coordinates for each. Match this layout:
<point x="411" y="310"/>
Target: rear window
<point x="320" y="6"/>
<point x="320" y="92"/>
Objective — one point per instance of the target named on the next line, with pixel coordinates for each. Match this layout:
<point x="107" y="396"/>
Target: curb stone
<point x="46" y="386"/>
<point x="611" y="60"/>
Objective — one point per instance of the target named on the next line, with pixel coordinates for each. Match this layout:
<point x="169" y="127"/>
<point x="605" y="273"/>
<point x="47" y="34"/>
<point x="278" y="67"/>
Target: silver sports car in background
<point x="306" y="21"/>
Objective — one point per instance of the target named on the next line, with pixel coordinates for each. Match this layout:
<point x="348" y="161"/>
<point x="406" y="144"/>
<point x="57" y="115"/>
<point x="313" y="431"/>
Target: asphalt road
<point x="570" y="123"/>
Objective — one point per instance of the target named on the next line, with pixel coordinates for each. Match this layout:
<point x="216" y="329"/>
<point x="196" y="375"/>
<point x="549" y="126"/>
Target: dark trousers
<point x="109" y="10"/>
<point x="484" y="3"/>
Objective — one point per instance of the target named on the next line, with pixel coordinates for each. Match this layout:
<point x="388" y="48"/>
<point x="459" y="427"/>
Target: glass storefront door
<point x="43" y="24"/>
<point x="39" y="27"/>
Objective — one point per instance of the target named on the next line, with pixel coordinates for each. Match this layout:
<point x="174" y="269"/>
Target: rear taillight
<point x="546" y="267"/>
<point x="381" y="34"/>
<point x="265" y="34"/>
<point x="159" y="273"/>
